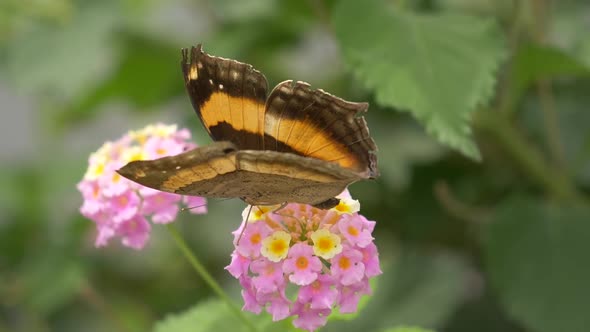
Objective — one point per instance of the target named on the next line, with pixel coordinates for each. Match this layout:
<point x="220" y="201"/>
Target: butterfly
<point x="292" y="145"/>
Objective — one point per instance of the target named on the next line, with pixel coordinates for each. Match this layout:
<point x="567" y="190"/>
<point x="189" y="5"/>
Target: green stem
<point x="529" y="158"/>
<point x="196" y="264"/>
<point x="544" y="89"/>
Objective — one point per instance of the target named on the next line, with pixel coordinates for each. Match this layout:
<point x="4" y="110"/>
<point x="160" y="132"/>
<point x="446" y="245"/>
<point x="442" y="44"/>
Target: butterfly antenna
<point x="186" y="208"/>
<point x="246" y="225"/>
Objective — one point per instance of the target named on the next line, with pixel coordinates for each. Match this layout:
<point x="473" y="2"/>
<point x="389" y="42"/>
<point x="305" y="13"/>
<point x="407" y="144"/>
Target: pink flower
<point x="302" y="265"/>
<point x="348" y="266"/>
<point x="135" y="232"/>
<point x="350" y="295"/>
<point x="249" y="295"/>
<point x="92" y="200"/>
<point x="111" y="183"/>
<point x="124" y="207"/>
<point x="105" y="232"/>
<point x="371" y="260"/>
<point x="269" y="275"/>
<point x="355" y="231"/>
<point x="326" y="257"/>
<point x="118" y="206"/>
<point x="309" y="319"/>
<point x="277" y="304"/>
<point x="157" y="147"/>
<point x="162" y="206"/>
<point x="368" y="224"/>
<point x="251" y="240"/>
<point x="320" y="293"/>
<point x="239" y="265"/>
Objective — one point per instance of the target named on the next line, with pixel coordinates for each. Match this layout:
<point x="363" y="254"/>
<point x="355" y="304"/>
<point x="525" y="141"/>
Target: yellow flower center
<point x="259" y="212"/>
<point x="161" y="151"/>
<point x="347" y="205"/>
<point x="276" y="246"/>
<point x="116" y="177"/>
<point x="325" y="244"/>
<point x="341" y="207"/>
<point x="133" y="153"/>
<point x="99" y="169"/>
<point x="96" y="169"/>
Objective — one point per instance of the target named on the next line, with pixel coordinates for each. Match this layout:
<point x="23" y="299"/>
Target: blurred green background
<point x="499" y="244"/>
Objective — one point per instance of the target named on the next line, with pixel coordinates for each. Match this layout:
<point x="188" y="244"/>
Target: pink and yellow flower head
<point x="122" y="208"/>
<point x="327" y="255"/>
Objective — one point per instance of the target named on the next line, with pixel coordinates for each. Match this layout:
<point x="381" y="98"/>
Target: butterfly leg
<point x="282" y="206"/>
<point x="327" y="204"/>
<point x="245" y="225"/>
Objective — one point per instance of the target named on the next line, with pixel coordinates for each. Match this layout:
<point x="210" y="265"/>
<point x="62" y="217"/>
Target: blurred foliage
<point x="214" y="315"/>
<point x="479" y="108"/>
<point x="438" y="67"/>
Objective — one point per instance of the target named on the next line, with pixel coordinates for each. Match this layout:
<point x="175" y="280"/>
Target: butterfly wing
<point x="229" y="97"/>
<point x="313" y="123"/>
<point x="259" y="177"/>
<point x="203" y="166"/>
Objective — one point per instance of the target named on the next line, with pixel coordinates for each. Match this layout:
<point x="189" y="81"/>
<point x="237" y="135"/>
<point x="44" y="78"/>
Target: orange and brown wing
<point x="197" y="172"/>
<point x="316" y="124"/>
<point x="229" y="97"/>
<point x="258" y="177"/>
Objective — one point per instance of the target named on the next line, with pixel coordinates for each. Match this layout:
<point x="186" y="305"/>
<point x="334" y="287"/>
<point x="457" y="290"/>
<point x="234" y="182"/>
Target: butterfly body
<point x="295" y="145"/>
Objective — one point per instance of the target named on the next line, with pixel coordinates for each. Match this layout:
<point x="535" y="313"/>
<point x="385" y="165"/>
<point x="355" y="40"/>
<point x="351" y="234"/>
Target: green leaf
<point x="537" y="260"/>
<point x="407" y="329"/>
<point x="215" y="315"/>
<point x="536" y="62"/>
<point x="439" y="68"/>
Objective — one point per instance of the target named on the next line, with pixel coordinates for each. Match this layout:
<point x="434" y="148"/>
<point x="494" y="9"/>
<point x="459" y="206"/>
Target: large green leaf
<point x="537" y="257"/>
<point x="536" y="62"/>
<point x="439" y="68"/>
<point x="214" y="315"/>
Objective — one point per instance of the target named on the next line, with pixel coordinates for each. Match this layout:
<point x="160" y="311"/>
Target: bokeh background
<point x="499" y="244"/>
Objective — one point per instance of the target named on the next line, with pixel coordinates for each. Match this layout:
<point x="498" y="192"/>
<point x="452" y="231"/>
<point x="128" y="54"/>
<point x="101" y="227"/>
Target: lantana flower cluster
<point x="120" y="207"/>
<point x="301" y="261"/>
